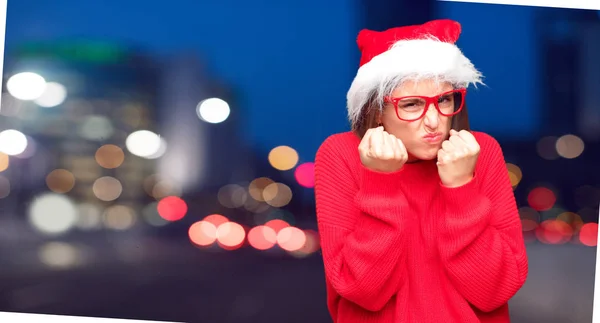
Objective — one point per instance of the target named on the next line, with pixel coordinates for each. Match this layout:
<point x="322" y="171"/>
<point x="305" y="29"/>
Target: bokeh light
<point x="546" y="148"/>
<point x="230" y="235"/>
<point x="291" y="238"/>
<point x="514" y="173"/>
<point x="4" y="162"/>
<point x="541" y="198"/>
<point x="96" y="128"/>
<point x="172" y="208"/>
<point x="213" y="110"/>
<point x="119" y="217"/>
<point x="277" y="194"/>
<point x="277" y="225"/>
<point x="52" y="213"/>
<point x="107" y="188"/>
<point x="554" y="232"/>
<point x="202" y="233"/>
<point x="572" y="219"/>
<point x="30" y="149"/>
<point x="283" y="158"/>
<point x="143" y="143"/>
<point x="569" y="146"/>
<point x="305" y="174"/>
<point x="12" y="142"/>
<point x="216" y="219"/>
<point x="89" y="216"/>
<point x="164" y="188"/>
<point x="588" y="235"/>
<point x="26" y="86"/>
<point x="109" y="156"/>
<point x="262" y="237"/>
<point x="311" y="245"/>
<point x="162" y="149"/>
<point x="232" y="196"/>
<point x="60" y="181"/>
<point x="59" y="255"/>
<point x="54" y="94"/>
<point x="257" y="186"/>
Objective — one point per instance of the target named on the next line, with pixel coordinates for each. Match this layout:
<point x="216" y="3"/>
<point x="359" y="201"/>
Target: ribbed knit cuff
<point x="380" y="193"/>
<point x="466" y="201"/>
<point x="373" y="181"/>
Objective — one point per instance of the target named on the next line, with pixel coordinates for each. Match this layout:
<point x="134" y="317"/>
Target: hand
<point x="457" y="158"/>
<point x="381" y="151"/>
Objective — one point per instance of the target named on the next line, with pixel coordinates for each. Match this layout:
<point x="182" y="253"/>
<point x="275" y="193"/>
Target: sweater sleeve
<point x="361" y="227"/>
<point x="481" y="240"/>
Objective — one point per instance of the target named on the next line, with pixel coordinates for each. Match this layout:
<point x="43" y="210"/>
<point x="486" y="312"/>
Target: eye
<point x="445" y="98"/>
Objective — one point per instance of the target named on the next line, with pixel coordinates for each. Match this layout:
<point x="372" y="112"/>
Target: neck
<point x="412" y="159"/>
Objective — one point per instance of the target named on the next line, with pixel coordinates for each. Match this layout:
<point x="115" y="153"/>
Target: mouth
<point x="433" y="138"/>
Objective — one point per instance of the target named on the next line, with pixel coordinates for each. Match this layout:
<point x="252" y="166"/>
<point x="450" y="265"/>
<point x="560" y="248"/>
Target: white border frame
<point x="571" y="4"/>
<point x="568" y="4"/>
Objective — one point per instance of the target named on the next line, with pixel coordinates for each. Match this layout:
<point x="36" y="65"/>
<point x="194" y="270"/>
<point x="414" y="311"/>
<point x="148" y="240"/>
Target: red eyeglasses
<point x="412" y="108"/>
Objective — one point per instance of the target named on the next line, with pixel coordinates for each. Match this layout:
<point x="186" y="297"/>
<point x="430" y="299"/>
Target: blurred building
<point x="201" y="119"/>
<point x="79" y="129"/>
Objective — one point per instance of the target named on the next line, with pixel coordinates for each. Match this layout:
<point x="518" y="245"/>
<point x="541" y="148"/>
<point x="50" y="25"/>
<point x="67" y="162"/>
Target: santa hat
<point x="417" y="52"/>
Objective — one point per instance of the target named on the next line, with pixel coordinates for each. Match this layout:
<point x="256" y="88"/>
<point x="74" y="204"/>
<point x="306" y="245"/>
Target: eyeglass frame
<point x="428" y="101"/>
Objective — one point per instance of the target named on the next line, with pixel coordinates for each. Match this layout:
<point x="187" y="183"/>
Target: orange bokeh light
<point x="291" y="239"/>
<point x="230" y="235"/>
<point x="554" y="232"/>
<point x="203" y="233"/>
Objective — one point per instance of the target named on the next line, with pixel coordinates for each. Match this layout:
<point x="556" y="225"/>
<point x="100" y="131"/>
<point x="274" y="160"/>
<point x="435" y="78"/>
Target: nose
<point x="431" y="118"/>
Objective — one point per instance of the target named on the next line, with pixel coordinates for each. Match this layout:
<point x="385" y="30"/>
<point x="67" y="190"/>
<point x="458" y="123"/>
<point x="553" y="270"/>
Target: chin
<point x="429" y="154"/>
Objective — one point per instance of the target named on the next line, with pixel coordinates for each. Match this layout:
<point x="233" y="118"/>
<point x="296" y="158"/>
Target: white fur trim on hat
<point x="409" y="60"/>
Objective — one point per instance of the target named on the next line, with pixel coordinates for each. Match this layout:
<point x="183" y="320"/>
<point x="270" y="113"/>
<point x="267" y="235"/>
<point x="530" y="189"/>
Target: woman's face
<point x="423" y="137"/>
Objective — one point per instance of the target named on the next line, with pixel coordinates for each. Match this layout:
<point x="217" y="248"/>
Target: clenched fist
<point x="381" y="151"/>
<point x="457" y="158"/>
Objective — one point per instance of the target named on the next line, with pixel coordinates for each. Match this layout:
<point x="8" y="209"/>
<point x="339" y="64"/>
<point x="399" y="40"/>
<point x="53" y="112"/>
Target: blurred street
<point x="176" y="282"/>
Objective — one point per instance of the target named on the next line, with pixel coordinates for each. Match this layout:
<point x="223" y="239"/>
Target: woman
<point x="416" y="213"/>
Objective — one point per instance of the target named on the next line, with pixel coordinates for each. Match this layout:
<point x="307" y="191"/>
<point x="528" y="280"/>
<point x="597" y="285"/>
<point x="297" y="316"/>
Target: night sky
<point x="292" y="63"/>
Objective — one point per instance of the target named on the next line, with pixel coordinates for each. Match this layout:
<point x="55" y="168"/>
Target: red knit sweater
<point x="401" y="247"/>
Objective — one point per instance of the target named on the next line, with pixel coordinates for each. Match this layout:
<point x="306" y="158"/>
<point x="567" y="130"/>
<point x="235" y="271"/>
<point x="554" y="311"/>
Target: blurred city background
<point x="156" y="158"/>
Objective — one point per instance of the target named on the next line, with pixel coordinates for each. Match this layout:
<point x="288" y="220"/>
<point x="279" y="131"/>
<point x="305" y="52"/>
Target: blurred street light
<point x="26" y="86"/>
<point x="213" y="110"/>
<point x="54" y="94"/>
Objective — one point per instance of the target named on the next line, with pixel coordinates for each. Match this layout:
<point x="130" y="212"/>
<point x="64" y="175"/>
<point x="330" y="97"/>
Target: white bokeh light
<point x="143" y="143"/>
<point x="161" y="150"/>
<point x="12" y="142"/>
<point x="213" y="110"/>
<point x="54" y="94"/>
<point x="96" y="127"/>
<point x="26" y="86"/>
<point x="52" y="213"/>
